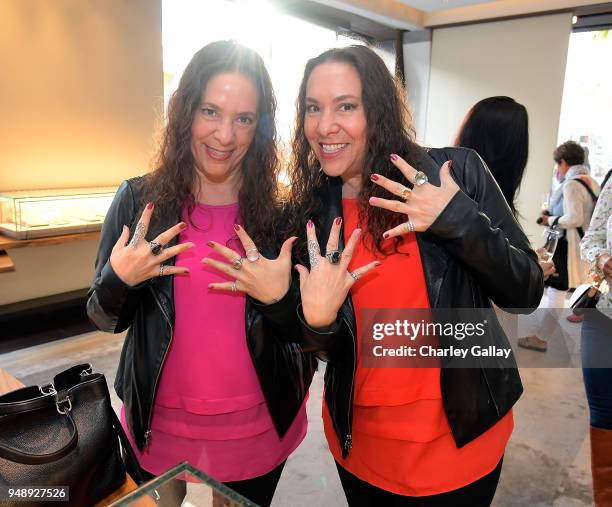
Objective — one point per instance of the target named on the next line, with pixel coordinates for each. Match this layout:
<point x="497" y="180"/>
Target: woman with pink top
<point x="199" y="378"/>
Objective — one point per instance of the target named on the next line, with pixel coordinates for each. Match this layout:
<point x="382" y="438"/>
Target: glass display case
<point x="185" y="486"/>
<point x="28" y="214"/>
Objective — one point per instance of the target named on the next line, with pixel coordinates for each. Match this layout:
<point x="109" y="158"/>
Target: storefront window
<point x="586" y="109"/>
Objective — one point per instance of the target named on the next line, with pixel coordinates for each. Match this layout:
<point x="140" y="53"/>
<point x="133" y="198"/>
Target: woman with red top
<point x="429" y="229"/>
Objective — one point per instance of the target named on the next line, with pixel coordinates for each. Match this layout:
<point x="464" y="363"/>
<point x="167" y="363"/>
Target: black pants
<point x="477" y="494"/>
<point x="259" y="490"/>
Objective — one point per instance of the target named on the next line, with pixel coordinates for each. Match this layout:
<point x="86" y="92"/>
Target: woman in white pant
<point x="570" y="212"/>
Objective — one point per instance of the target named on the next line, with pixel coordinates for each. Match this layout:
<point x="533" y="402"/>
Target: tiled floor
<point x="546" y="463"/>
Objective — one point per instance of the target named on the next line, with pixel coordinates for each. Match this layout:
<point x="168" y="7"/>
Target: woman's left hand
<point x="266" y="280"/>
<point x="423" y="203"/>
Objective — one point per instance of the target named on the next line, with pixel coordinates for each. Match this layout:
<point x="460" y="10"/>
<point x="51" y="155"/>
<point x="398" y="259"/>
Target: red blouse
<point x="401" y="438"/>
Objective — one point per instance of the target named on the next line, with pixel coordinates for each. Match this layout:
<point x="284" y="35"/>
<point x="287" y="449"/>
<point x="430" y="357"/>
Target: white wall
<point x="417" y="64"/>
<point x="80" y="95"/>
<point x="522" y="58"/>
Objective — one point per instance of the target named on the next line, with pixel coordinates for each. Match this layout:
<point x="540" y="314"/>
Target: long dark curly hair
<point x="389" y="130"/>
<point x="171" y="185"/>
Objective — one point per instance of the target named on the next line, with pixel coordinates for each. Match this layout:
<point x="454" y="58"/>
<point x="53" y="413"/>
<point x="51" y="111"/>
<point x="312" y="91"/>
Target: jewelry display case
<point x="183" y="485"/>
<point x="28" y="214"/>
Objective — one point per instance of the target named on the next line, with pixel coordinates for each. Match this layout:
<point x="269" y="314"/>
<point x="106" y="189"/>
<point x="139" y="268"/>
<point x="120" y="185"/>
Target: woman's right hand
<point x="325" y="286"/>
<point x="548" y="268"/>
<point x="605" y="263"/>
<point x="134" y="262"/>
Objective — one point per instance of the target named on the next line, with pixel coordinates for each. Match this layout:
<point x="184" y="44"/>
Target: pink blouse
<point x="209" y="408"/>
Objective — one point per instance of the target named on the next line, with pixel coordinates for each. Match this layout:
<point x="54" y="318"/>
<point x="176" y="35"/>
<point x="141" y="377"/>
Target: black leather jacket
<point x="283" y="369"/>
<point x="474" y="253"/>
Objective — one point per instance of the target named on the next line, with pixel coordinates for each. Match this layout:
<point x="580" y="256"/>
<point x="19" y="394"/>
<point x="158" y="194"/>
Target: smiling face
<point x="335" y="121"/>
<point x="223" y="126"/>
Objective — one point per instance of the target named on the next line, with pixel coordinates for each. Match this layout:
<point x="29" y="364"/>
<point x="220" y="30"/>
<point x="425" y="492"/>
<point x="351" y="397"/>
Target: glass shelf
<point x="167" y="490"/>
<point x="29" y="214"/>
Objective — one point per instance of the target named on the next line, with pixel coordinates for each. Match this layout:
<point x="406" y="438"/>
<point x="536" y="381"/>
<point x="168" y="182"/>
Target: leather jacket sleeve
<point x="111" y="302"/>
<point x="478" y="229"/>
<point x="279" y="317"/>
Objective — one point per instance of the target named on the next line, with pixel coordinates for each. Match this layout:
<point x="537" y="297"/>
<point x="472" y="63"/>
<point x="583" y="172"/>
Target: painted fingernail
<point x="386" y="235"/>
<point x="210" y="244"/>
<point x="236" y="227"/>
<point x="394" y="156"/>
<point x="338" y="221"/>
<point x="376" y="264"/>
<point x="310" y="224"/>
<point x="450" y="164"/>
<point x="182" y="226"/>
<point x="372" y="200"/>
<point x="150" y="205"/>
<point x="374" y="177"/>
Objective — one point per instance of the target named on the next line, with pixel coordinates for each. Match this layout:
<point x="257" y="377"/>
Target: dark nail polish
<point x="338" y="221"/>
<point x="236" y="227"/>
<point x="394" y="156"/>
<point x="374" y="177"/>
<point x="182" y="226"/>
<point x="210" y="244"/>
<point x="150" y="205"/>
<point x="450" y="164"/>
<point x="310" y="224"/>
<point x="386" y="235"/>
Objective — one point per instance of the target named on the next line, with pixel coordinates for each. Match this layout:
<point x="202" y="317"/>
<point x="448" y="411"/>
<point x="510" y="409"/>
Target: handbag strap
<point x="39" y="459"/>
<point x="129" y="457"/>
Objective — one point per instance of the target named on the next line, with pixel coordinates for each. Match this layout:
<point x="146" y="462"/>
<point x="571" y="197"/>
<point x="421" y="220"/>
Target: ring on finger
<point x="155" y="247"/>
<point x="237" y="263"/>
<point x="420" y="178"/>
<point x="162" y="268"/>
<point x="252" y="254"/>
<point x="333" y="256"/>
<point x="354" y="275"/>
<point x="405" y="193"/>
<point x="234" y="286"/>
<point x="409" y="226"/>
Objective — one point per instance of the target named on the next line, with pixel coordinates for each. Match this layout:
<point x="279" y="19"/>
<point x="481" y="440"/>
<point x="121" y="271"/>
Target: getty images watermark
<point x="468" y="338"/>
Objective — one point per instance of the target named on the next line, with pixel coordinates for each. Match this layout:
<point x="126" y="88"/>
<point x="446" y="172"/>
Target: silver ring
<point x="162" y="267"/>
<point x="409" y="226"/>
<point x="235" y="286"/>
<point x="237" y="263"/>
<point x="252" y="257"/>
<point x="420" y="178"/>
<point x="333" y="256"/>
<point x="354" y="275"/>
<point x="155" y="247"/>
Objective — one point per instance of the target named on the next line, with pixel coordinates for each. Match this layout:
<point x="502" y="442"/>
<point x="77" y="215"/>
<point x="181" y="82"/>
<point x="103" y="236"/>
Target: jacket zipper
<point x="348" y="441"/>
<point x="147" y="433"/>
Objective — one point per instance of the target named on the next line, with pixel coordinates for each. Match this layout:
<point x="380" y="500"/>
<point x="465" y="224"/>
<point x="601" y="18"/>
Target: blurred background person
<point x="498" y="129"/>
<point x="596" y="348"/>
<point x="571" y="207"/>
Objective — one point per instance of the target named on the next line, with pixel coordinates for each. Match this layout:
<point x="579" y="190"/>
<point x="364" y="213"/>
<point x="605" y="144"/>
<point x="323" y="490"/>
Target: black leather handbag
<point x="64" y="434"/>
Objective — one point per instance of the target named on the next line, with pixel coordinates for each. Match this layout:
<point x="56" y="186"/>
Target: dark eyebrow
<point x="337" y="99"/>
<point x="214" y="106"/>
<point x="345" y="97"/>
